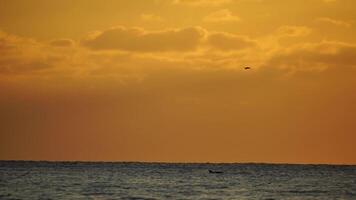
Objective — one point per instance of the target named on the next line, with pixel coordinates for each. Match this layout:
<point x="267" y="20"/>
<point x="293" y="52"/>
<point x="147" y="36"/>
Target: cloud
<point x="151" y="18"/>
<point x="225" y="41"/>
<point x="129" y="53"/>
<point x="16" y="67"/>
<point x="5" y="46"/>
<point x="136" y="52"/>
<point x="334" y="22"/>
<point x="293" y="31"/>
<point x="21" y="55"/>
<point x="202" y="2"/>
<point x="140" y="40"/>
<point x="316" y="56"/>
<point x="223" y="15"/>
<point x="9" y="43"/>
<point x="62" y="43"/>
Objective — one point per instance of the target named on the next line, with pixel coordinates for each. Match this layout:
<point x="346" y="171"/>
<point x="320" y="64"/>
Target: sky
<point x="164" y="80"/>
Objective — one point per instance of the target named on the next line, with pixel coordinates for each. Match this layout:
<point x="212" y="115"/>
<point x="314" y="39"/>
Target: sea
<point x="135" y="180"/>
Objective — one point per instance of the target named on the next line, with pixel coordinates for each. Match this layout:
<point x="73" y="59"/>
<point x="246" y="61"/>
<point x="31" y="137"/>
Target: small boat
<point x="215" y="172"/>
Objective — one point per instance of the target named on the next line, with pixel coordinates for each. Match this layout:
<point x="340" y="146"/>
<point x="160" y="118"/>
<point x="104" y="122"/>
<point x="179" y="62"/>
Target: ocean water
<point x="80" y="180"/>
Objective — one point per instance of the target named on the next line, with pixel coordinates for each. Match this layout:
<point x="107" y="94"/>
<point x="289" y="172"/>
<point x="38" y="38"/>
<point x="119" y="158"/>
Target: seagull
<point x="247" y="68"/>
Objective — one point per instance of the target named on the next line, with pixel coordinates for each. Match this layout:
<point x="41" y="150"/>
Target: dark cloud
<point x="7" y="43"/>
<point x="15" y="67"/>
<point x="315" y="56"/>
<point x="18" y="56"/>
<point x="62" y="43"/>
<point x="224" y="41"/>
<point x="293" y="31"/>
<point x="136" y="39"/>
<point x="5" y="46"/>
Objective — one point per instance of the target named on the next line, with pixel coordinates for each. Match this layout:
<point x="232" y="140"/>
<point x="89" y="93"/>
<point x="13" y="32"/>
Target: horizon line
<point x="175" y="162"/>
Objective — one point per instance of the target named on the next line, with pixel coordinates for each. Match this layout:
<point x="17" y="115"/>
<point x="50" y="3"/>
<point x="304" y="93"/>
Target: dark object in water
<point x="247" y="68"/>
<point x="215" y="172"/>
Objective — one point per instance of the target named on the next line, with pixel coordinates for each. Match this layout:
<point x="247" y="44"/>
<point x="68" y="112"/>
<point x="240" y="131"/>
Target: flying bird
<point x="247" y="68"/>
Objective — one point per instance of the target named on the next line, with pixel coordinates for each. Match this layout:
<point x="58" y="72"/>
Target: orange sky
<point x="163" y="80"/>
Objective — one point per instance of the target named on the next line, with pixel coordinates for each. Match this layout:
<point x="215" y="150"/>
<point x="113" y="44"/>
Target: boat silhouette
<point x="215" y="172"/>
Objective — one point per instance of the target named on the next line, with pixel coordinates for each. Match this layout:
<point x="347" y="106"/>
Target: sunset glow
<point x="166" y="80"/>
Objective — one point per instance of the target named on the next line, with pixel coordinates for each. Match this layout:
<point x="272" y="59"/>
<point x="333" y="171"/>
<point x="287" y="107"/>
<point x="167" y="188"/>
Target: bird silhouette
<point x="247" y="68"/>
